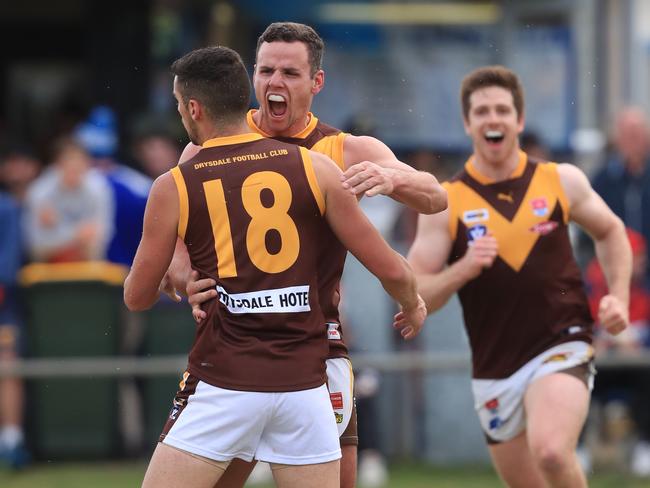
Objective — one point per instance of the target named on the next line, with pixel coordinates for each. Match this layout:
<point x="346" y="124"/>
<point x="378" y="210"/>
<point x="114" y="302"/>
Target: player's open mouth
<point x="277" y="105"/>
<point x="494" y="136"/>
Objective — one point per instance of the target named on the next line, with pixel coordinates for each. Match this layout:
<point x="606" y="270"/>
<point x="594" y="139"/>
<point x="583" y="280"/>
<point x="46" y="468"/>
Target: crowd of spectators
<point x="77" y="203"/>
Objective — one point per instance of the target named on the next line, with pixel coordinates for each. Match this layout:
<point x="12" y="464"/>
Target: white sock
<point x="11" y="436"/>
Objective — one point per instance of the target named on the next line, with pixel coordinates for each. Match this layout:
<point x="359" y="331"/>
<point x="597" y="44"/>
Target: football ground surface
<point x="122" y="475"/>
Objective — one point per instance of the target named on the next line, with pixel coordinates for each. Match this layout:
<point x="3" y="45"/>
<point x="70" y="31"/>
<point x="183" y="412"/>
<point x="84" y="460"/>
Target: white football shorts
<point x="340" y="382"/>
<point x="293" y="428"/>
<point x="500" y="403"/>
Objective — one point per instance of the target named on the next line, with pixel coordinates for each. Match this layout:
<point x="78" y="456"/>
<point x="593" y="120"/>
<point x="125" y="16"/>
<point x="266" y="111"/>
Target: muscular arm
<point x="428" y="256"/>
<point x="590" y="212"/>
<point x="156" y="246"/>
<point x="180" y="268"/>
<point x="358" y="235"/>
<point x="372" y="169"/>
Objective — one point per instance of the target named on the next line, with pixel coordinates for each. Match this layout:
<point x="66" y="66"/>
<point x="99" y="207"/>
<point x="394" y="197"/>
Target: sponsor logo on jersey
<point x="556" y="358"/>
<point x="174" y="413"/>
<point x="506" y="196"/>
<point x="333" y="332"/>
<point x="574" y="329"/>
<point x="495" y="423"/>
<point x="475" y="232"/>
<point x="292" y="299"/>
<point x="476" y="215"/>
<point x="337" y="400"/>
<point x="543" y="228"/>
<point x="492" y="404"/>
<point x="540" y="206"/>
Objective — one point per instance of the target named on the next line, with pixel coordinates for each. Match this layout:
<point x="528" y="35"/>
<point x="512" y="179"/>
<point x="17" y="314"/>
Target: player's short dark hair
<point x="294" y="32"/>
<point x="492" y="76"/>
<point x="217" y="78"/>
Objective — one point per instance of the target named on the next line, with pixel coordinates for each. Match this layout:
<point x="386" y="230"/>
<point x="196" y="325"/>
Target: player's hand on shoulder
<point x="369" y="178"/>
<point x="198" y="292"/>
<point x="480" y="254"/>
<point x="613" y="314"/>
<point x="410" y="322"/>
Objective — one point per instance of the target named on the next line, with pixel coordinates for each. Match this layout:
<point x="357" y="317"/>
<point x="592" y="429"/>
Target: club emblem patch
<point x="475" y="232"/>
<point x="540" y="206"/>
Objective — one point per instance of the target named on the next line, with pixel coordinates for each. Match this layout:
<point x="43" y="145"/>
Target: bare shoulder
<point x="189" y="152"/>
<point x="163" y="184"/>
<point x="323" y="163"/>
<point x="365" y="148"/>
<point x="570" y="172"/>
<point x="327" y="172"/>
<point x="574" y="182"/>
<point x="163" y="192"/>
<point x="362" y="144"/>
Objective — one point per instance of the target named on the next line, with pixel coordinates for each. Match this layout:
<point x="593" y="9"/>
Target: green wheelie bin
<point x="73" y="310"/>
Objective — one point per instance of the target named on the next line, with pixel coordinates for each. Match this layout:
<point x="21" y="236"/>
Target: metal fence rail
<point x="127" y="366"/>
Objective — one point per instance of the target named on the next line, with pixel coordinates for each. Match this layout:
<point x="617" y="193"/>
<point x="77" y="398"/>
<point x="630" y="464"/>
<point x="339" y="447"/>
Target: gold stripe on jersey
<point x="485" y="180"/>
<point x="313" y="122"/>
<point x="236" y="139"/>
<point x="252" y="125"/>
<point x="183" y="382"/>
<point x="332" y="146"/>
<point x="183" y="201"/>
<point x="311" y="178"/>
<point x="515" y="241"/>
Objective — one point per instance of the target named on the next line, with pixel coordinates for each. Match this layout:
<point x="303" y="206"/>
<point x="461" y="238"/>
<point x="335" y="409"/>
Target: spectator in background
<point x="130" y="188"/>
<point x="156" y="152"/>
<point x="18" y="168"/>
<point x="624" y="180"/>
<point x="68" y="209"/>
<point x="616" y="385"/>
<point x="637" y="336"/>
<point x="12" y="447"/>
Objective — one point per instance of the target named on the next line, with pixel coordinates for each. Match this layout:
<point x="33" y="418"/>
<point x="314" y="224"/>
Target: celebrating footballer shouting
<point x="503" y="245"/>
<point x="251" y="212"/>
<point x="288" y="74"/>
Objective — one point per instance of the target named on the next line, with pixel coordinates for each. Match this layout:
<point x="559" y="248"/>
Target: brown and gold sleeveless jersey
<point x="327" y="140"/>
<point x="532" y="297"/>
<point x="251" y="216"/>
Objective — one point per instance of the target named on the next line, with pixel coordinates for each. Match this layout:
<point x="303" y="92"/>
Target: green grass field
<point x="123" y="475"/>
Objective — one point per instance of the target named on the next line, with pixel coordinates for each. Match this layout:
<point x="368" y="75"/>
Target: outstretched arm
<point x="373" y="169"/>
<point x="141" y="288"/>
<point x="428" y="256"/>
<point x="358" y="235"/>
<point x="590" y="212"/>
